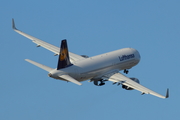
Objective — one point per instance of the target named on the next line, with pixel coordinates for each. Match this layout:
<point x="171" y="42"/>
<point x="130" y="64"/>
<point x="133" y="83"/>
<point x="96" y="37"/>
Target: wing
<point x="120" y="78"/>
<point x="52" y="48"/>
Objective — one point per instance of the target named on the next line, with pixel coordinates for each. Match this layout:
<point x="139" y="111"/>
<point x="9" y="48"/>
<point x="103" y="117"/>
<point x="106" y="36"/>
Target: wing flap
<point x="118" y="77"/>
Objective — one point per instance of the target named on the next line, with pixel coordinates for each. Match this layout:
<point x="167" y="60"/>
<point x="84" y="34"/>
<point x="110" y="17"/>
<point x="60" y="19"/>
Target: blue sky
<point x="91" y="28"/>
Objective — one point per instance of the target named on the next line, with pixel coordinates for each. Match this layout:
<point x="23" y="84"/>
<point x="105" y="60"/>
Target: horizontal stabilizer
<point x="39" y="65"/>
<point x="70" y="79"/>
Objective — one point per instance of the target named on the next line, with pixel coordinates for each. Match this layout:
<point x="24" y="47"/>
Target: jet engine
<point x="129" y="88"/>
<point x="99" y="82"/>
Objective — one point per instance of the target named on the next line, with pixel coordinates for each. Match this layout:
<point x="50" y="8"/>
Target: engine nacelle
<point x="99" y="82"/>
<point x="129" y="88"/>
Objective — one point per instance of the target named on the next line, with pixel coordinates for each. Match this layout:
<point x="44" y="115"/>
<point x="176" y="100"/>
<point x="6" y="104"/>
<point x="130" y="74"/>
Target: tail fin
<point x="64" y="60"/>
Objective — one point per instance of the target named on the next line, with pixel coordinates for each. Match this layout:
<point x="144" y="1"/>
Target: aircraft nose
<point x="138" y="57"/>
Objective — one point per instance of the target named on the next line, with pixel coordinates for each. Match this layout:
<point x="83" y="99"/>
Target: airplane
<point x="98" y="69"/>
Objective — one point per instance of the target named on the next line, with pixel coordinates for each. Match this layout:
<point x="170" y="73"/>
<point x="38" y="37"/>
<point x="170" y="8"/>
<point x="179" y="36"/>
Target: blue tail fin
<point x="64" y="60"/>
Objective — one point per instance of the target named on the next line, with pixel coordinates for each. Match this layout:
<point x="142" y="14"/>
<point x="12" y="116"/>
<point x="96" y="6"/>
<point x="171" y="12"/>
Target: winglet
<point x="167" y="93"/>
<point x="13" y="25"/>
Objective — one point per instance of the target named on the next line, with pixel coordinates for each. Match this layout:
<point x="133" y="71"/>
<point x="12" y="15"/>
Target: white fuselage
<point x="98" y="65"/>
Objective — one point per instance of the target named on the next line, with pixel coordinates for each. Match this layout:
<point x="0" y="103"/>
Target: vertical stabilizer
<point x="64" y="60"/>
